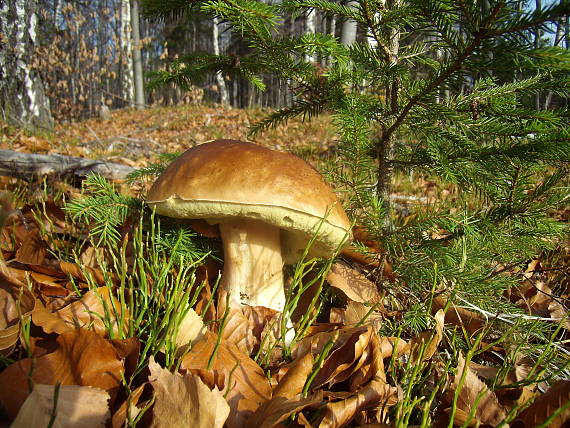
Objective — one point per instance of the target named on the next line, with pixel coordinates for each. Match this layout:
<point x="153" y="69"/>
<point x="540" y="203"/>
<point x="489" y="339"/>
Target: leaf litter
<point x="57" y="334"/>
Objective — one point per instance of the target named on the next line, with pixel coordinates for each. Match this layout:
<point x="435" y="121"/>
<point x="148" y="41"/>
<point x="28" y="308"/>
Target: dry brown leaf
<point x="77" y="406"/>
<point x="352" y="283"/>
<point x="129" y="406"/>
<point x="545" y="405"/>
<point x="488" y="409"/>
<point x="557" y="311"/>
<point x="237" y="329"/>
<point x="346" y="359"/>
<point x="287" y="397"/>
<point x="88" y="312"/>
<point x="376" y="393"/>
<point x="78" y="272"/>
<point x="356" y="313"/>
<point x="33" y="249"/>
<point x="16" y="303"/>
<point x="128" y="350"/>
<point x="9" y="322"/>
<point x="294" y="380"/>
<point x="185" y="401"/>
<point x="471" y="321"/>
<point x="191" y="329"/>
<point x="540" y="299"/>
<point x="92" y="256"/>
<point x="82" y="358"/>
<point x="373" y="368"/>
<point x="246" y="385"/>
<point x="280" y="408"/>
<point x="425" y="344"/>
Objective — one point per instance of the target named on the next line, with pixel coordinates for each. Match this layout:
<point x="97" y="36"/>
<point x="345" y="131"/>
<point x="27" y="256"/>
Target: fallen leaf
<point x="488" y="409"/>
<point x="237" y="329"/>
<point x="545" y="405"/>
<point x="374" y="394"/>
<point x="190" y="330"/>
<point x="185" y="401"/>
<point x="83" y="406"/>
<point x="82" y="273"/>
<point x="287" y="398"/>
<point x="558" y="312"/>
<point x="426" y="343"/>
<point x="345" y="360"/>
<point x="33" y="249"/>
<point x="82" y="358"/>
<point x="16" y="304"/>
<point x="281" y="408"/>
<point x="294" y="380"/>
<point x="352" y="283"/>
<point x="373" y="368"/>
<point x="89" y="312"/>
<point x="9" y="322"/>
<point x="246" y="386"/>
<point x="357" y="313"/>
<point x="128" y="350"/>
<point x="471" y="321"/>
<point x="128" y="409"/>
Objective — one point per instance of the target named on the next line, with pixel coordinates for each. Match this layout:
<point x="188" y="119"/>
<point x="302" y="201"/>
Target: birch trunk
<point x="310" y="28"/>
<point x="349" y="26"/>
<point x="22" y="98"/>
<point x="219" y="78"/>
<point x="137" y="57"/>
<point x="557" y="42"/>
<point x="537" y="35"/>
<point x="127" y="74"/>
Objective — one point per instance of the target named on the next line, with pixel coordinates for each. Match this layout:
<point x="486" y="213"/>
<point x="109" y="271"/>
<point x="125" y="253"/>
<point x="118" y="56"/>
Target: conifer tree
<point x="440" y="87"/>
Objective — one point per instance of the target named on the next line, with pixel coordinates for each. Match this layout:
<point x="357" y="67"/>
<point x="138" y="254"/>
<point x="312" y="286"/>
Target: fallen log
<point x="30" y="165"/>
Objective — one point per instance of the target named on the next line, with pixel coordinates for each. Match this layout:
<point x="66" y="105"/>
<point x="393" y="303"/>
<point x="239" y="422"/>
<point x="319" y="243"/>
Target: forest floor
<point x="70" y="315"/>
<point x="135" y="137"/>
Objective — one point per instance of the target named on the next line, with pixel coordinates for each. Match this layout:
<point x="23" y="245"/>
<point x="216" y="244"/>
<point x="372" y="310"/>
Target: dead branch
<point x="30" y="165"/>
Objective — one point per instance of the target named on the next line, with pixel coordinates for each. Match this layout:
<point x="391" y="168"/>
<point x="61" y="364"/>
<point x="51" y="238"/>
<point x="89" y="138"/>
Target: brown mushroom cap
<point x="227" y="178"/>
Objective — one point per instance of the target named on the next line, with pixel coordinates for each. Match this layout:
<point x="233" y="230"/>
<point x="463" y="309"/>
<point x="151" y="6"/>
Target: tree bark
<point x="310" y="28"/>
<point x="28" y="166"/>
<point x="537" y="35"/>
<point x="22" y="98"/>
<point x="349" y="27"/>
<point x="137" y="57"/>
<point x="216" y="47"/>
<point x="127" y="75"/>
<point x="385" y="149"/>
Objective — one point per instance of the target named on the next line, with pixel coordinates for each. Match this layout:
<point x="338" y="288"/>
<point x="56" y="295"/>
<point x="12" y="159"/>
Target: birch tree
<point x="137" y="57"/>
<point x="22" y="98"/>
<point x="127" y="72"/>
<point x="216" y="48"/>
<point x="349" y="27"/>
<point x="310" y="28"/>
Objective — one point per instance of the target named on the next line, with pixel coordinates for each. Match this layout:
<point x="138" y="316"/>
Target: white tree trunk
<point x="58" y="18"/>
<point x="537" y="36"/>
<point x="22" y="98"/>
<point x="348" y="35"/>
<point x="127" y="75"/>
<point x="137" y="57"/>
<point x="310" y="28"/>
<point x="219" y="78"/>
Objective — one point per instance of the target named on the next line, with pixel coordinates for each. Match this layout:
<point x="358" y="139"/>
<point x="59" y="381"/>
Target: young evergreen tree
<point x="442" y="87"/>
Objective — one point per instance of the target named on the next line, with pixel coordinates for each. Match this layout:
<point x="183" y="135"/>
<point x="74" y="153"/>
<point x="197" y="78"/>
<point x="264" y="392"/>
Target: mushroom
<point x="268" y="206"/>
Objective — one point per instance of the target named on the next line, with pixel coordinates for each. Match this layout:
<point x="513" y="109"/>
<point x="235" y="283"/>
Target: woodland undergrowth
<point x="115" y="311"/>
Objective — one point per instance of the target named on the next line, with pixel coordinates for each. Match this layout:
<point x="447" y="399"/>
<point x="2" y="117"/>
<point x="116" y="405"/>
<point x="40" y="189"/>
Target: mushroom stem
<point x="253" y="265"/>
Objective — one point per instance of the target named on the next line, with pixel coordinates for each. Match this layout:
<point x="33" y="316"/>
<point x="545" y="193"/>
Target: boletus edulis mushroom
<point x="268" y="206"/>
